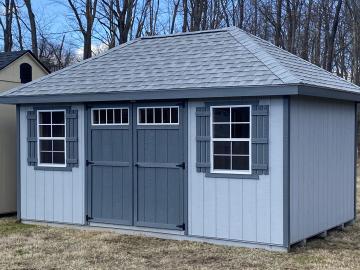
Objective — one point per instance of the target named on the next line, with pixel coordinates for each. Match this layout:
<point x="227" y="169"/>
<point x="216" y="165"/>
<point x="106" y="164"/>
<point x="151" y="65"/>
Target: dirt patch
<point x="41" y="247"/>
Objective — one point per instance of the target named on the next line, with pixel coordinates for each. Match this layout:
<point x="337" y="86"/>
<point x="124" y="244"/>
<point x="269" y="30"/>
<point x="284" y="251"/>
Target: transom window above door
<point x="110" y="116"/>
<point x="165" y="115"/>
<point x="231" y="139"/>
<point x="51" y="139"/>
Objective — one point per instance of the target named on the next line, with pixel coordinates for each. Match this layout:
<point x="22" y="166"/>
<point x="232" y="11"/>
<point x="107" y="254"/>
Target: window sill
<point x="229" y="175"/>
<point x="45" y="168"/>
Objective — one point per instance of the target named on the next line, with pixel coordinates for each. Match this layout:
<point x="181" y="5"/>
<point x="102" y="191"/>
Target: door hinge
<point x="181" y="226"/>
<point x="88" y="218"/>
<point x="88" y="162"/>
<point x="181" y="165"/>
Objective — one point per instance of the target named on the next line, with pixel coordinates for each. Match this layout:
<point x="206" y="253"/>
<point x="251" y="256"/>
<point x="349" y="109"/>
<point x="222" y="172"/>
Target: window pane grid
<point x="110" y="116"/>
<point x="231" y="124"/>
<point x="158" y="115"/>
<point x="51" y="138"/>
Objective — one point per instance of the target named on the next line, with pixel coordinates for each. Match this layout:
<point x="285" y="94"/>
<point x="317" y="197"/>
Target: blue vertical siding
<point x="52" y="196"/>
<point x="239" y="209"/>
<point x="321" y="165"/>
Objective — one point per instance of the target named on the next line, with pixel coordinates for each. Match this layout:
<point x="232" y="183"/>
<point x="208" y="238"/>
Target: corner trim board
<point x="355" y="157"/>
<point x="286" y="170"/>
<point x="18" y="167"/>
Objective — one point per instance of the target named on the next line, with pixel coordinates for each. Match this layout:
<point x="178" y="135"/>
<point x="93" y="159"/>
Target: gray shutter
<point x="260" y="139"/>
<point x="72" y="147"/>
<point x="32" y="138"/>
<point x="203" y="139"/>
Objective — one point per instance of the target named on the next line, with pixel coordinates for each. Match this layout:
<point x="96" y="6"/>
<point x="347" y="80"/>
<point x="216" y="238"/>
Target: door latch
<point x="88" y="162"/>
<point x="181" y="165"/>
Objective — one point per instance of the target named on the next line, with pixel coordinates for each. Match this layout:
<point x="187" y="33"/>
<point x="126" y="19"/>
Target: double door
<point x="136" y="165"/>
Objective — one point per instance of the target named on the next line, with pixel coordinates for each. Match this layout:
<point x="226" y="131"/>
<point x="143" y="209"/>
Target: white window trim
<point x="157" y="124"/>
<point x="109" y="124"/>
<point x="212" y="170"/>
<point x="50" y="138"/>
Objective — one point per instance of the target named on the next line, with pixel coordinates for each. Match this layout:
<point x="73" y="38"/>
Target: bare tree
<point x="85" y="12"/>
<point x="19" y="28"/>
<point x="7" y="26"/>
<point x="34" y="43"/>
<point x="331" y="41"/>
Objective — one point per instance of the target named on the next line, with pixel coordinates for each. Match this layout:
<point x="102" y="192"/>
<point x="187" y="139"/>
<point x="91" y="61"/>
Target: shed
<point x="214" y="136"/>
<point x="16" y="68"/>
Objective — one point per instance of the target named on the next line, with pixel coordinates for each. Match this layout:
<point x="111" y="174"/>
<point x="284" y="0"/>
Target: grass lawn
<point x="41" y="247"/>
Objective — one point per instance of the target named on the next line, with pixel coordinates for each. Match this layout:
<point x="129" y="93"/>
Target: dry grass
<point x="39" y="247"/>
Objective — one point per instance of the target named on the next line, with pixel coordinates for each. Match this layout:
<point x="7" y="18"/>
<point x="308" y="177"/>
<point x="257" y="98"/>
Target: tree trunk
<point x="241" y="15"/>
<point x="306" y="37"/>
<point x="34" y="43"/>
<point x="7" y="28"/>
<point x="330" y="57"/>
<point x="279" y="4"/>
<point x="20" y="36"/>
<point x="185" y="16"/>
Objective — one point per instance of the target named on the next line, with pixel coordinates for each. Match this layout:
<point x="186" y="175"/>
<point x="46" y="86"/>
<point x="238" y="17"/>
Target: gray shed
<point x="214" y="136"/>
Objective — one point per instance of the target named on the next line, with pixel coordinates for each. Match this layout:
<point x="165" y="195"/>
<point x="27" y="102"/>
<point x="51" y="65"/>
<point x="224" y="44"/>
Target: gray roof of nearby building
<point x="222" y="59"/>
<point x="6" y="58"/>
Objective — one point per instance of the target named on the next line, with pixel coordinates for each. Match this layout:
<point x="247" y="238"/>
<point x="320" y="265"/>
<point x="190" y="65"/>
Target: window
<point x="110" y="116"/>
<point x="230" y="139"/>
<point x="158" y="115"/>
<point x="51" y="138"/>
<point x="25" y="73"/>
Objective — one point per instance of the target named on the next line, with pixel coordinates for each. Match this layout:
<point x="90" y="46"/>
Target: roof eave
<point x="225" y="92"/>
<point x="246" y="91"/>
<point x="324" y="92"/>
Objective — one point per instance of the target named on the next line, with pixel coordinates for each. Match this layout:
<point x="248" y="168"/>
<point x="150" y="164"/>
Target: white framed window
<point x="163" y="115"/>
<point x="51" y="130"/>
<point x="109" y="116"/>
<point x="230" y="139"/>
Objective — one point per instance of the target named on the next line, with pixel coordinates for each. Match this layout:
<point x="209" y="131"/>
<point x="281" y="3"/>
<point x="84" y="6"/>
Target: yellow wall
<point x="10" y="78"/>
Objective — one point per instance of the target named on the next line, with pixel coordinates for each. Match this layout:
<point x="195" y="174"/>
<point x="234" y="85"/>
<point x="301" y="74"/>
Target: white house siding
<point x="321" y="165"/>
<point x="239" y="209"/>
<point x="52" y="196"/>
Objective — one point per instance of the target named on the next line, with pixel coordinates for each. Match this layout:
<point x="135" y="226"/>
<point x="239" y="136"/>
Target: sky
<point x="55" y="19"/>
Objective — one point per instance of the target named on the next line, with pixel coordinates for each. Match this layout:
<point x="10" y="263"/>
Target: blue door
<point x="110" y="165"/>
<point x="159" y="166"/>
<point x="136" y="165"/>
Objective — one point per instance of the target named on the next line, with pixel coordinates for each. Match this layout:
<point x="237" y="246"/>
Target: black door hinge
<point x="181" y="165"/>
<point x="88" y="162"/>
<point x="181" y="226"/>
<point x="88" y="218"/>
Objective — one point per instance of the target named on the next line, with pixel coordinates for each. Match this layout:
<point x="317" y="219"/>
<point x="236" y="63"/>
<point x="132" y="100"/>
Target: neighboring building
<point x="16" y="68"/>
<point x="214" y="136"/>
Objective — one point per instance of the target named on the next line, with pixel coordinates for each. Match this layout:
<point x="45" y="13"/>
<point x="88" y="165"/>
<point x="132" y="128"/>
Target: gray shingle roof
<point x="210" y="59"/>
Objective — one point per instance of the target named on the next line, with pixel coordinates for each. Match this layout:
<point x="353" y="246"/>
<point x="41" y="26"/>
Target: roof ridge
<point x="10" y="91"/>
<point x="268" y="60"/>
<point x="225" y="29"/>
<point x="303" y="60"/>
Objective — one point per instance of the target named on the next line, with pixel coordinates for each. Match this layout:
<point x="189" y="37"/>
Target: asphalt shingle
<point x="210" y="59"/>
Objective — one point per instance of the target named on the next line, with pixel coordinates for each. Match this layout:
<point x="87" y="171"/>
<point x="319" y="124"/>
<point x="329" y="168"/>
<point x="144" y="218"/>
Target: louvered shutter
<point x="260" y="139"/>
<point x="32" y="138"/>
<point x="203" y="139"/>
<point x="72" y="141"/>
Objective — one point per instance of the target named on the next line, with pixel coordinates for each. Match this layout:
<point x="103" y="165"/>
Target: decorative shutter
<point x="72" y="141"/>
<point x="203" y="139"/>
<point x="32" y="138"/>
<point x="260" y="139"/>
